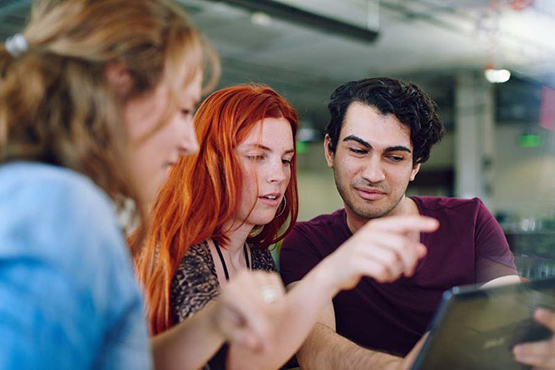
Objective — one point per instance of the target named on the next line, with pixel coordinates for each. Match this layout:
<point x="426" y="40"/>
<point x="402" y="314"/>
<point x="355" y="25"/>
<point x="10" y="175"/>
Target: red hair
<point x="202" y="191"/>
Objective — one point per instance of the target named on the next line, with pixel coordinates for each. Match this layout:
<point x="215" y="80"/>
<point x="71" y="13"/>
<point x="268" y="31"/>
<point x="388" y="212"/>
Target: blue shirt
<point x="68" y="296"/>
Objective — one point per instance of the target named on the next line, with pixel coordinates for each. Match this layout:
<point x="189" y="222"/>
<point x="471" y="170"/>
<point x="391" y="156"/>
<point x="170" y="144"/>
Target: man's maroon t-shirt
<point x="469" y="247"/>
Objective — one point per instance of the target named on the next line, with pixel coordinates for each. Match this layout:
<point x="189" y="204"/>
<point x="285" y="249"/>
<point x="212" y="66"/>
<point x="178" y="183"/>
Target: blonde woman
<point x="96" y="101"/>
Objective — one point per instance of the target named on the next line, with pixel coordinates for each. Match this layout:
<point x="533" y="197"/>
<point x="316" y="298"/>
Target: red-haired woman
<point x="220" y="210"/>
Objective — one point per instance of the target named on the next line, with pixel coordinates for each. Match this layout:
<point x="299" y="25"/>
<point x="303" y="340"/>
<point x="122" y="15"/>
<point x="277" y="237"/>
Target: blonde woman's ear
<point x="119" y="78"/>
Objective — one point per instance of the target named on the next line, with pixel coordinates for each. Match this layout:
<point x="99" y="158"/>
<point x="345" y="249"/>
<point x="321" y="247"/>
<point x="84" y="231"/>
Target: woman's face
<point x="153" y="152"/>
<point x="266" y="156"/>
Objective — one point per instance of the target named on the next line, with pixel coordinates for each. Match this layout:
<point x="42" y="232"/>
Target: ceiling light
<point x="497" y="76"/>
<point x="261" y="19"/>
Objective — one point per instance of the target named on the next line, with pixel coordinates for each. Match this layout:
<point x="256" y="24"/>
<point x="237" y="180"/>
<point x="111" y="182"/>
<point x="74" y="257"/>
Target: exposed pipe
<point x="306" y="18"/>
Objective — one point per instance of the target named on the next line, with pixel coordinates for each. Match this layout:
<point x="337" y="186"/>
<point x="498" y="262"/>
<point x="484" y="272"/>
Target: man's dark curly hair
<point x="408" y="102"/>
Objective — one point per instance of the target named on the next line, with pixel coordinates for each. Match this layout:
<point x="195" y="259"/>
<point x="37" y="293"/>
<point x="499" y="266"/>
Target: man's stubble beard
<point x="365" y="214"/>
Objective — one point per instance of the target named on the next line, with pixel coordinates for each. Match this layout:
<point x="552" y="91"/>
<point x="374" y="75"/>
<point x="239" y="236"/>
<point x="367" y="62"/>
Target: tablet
<point x="477" y="328"/>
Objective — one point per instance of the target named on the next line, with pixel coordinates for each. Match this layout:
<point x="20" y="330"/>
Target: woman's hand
<point x="249" y="309"/>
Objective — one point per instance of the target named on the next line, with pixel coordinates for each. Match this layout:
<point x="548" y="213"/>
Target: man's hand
<point x="541" y="355"/>
<point x="383" y="249"/>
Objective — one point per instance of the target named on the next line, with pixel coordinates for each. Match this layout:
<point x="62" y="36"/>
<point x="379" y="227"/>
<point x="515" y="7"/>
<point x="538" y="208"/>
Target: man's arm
<point x="325" y="349"/>
<point x="494" y="259"/>
<point x="381" y="250"/>
<point x="509" y="279"/>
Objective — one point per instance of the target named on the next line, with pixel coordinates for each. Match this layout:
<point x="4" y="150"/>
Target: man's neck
<point x="405" y="207"/>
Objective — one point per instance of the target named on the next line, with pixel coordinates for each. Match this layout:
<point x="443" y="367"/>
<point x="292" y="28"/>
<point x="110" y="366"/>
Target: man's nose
<point x="373" y="170"/>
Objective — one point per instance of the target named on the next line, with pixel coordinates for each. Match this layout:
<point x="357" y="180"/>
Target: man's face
<point x="373" y="162"/>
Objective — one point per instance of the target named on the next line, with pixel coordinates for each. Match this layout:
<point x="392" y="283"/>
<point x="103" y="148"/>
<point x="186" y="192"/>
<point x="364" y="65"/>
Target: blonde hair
<point x="56" y="105"/>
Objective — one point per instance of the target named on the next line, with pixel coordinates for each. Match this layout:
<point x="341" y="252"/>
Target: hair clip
<point x="16" y="45"/>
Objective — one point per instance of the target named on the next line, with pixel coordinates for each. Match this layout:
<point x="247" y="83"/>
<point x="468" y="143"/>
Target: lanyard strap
<point x="223" y="261"/>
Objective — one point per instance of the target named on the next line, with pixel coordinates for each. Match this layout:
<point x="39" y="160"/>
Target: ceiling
<point x="425" y="41"/>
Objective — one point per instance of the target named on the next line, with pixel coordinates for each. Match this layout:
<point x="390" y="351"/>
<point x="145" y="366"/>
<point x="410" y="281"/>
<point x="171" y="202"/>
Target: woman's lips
<point x="270" y="200"/>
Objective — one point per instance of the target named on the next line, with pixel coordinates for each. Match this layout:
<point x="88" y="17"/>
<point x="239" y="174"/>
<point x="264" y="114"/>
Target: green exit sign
<point x="530" y="141"/>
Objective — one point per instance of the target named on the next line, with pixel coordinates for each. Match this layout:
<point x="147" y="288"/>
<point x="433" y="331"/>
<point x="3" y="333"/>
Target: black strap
<point x="223" y="261"/>
<point x="246" y="256"/>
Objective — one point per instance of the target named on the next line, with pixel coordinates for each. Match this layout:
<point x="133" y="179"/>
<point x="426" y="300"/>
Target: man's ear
<point x="119" y="78"/>
<point x="414" y="171"/>
<point x="328" y="152"/>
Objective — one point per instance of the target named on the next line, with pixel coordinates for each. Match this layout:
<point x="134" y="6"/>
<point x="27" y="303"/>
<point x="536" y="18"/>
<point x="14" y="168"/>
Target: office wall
<point x="524" y="177"/>
<point x="317" y="192"/>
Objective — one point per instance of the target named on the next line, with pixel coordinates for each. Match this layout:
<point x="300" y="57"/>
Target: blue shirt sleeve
<point x="68" y="297"/>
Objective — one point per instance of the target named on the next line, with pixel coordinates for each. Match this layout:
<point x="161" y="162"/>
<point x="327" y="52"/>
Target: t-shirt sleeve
<point x="298" y="255"/>
<point x="66" y="284"/>
<point x="493" y="256"/>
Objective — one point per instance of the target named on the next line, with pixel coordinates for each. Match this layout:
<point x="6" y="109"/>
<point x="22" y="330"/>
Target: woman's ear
<point x="119" y="78"/>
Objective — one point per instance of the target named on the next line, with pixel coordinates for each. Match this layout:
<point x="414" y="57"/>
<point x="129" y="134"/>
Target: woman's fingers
<point x="256" y="300"/>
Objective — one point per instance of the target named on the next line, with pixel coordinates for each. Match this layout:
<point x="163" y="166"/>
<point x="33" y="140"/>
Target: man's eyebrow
<point x="398" y="148"/>
<point x="358" y="140"/>
<point x="369" y="146"/>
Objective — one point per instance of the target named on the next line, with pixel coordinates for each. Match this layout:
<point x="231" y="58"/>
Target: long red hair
<point x="203" y="190"/>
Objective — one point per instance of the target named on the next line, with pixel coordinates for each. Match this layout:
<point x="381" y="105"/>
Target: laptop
<point x="477" y="328"/>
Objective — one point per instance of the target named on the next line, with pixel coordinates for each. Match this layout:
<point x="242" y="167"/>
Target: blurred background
<point x="489" y="64"/>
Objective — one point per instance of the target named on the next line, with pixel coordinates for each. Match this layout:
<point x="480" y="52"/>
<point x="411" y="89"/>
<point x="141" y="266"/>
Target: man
<point x="380" y="132"/>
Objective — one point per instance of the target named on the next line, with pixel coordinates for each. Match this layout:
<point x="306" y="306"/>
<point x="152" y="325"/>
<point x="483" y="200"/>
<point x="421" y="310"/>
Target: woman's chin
<point x="261" y="219"/>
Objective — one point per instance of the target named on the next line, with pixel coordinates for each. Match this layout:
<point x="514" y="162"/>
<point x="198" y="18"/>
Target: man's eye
<point x="358" y="151"/>
<point x="396" y="158"/>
